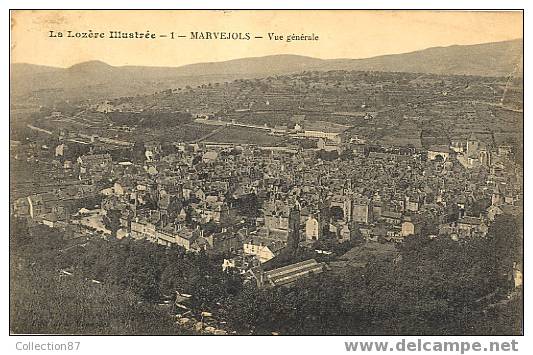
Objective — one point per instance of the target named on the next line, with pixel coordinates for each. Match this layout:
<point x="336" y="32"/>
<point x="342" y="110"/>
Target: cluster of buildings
<point x="254" y="204"/>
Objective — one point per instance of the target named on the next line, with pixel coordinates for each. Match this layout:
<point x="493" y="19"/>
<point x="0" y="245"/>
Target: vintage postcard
<point x="273" y="172"/>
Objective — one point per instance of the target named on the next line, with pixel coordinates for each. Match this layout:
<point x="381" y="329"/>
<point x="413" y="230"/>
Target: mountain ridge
<point x="487" y="59"/>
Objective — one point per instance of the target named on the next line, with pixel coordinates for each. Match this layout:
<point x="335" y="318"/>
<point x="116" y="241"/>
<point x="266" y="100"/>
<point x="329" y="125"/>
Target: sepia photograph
<point x="266" y="172"/>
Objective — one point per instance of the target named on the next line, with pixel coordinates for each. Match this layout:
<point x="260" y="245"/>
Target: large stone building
<point x="362" y="210"/>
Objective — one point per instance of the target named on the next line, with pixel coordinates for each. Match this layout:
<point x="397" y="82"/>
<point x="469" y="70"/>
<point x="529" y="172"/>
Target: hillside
<point x="488" y="59"/>
<point x="97" y="80"/>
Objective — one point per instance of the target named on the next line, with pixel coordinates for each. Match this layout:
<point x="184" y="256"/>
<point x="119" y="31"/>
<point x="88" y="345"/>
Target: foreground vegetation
<point x="113" y="286"/>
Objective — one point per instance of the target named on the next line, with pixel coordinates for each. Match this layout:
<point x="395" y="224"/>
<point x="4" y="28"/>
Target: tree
<point x="138" y="152"/>
<point x="19" y="233"/>
<point x="336" y="213"/>
<point x="248" y="205"/>
<point x="112" y="221"/>
<point x="347" y="154"/>
<point x="504" y="246"/>
<point x="168" y="148"/>
<point x="328" y="156"/>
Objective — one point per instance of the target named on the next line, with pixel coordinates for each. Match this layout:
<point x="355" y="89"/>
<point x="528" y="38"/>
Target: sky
<point x="341" y="33"/>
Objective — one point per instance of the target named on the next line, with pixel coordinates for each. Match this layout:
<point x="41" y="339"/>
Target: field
<point x="186" y="133"/>
<point x="360" y="255"/>
<point x="243" y="135"/>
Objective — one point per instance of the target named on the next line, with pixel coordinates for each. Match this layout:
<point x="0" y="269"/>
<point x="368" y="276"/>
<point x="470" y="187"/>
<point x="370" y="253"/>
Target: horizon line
<point x="263" y="56"/>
